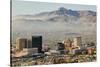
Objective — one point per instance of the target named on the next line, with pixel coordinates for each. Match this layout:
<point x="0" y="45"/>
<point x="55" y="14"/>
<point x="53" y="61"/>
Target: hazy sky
<point x="31" y="7"/>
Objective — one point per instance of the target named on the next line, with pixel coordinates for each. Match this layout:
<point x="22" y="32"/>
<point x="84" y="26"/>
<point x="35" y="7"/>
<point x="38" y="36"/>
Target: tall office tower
<point x="37" y="43"/>
<point x="21" y="43"/>
<point x="77" y="41"/>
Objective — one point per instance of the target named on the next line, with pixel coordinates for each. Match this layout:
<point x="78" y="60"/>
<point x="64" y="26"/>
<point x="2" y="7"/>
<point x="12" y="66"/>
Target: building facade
<point x="77" y="41"/>
<point x="37" y="43"/>
<point x="21" y="43"/>
<point x="30" y="51"/>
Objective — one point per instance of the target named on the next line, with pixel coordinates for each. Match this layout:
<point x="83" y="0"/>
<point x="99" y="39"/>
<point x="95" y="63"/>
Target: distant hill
<point x="61" y="14"/>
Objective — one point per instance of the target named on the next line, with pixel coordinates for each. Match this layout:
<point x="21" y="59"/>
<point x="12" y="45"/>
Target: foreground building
<point x="37" y="43"/>
<point x="21" y="43"/>
<point x="30" y="51"/>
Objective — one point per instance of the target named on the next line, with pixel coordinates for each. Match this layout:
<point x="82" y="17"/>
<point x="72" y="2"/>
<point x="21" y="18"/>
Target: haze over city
<point x="52" y="33"/>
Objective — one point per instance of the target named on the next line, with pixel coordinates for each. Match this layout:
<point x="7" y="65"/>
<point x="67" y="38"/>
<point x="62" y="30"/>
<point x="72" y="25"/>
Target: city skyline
<point x="52" y="33"/>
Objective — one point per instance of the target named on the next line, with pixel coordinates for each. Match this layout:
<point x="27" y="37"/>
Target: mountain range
<point x="61" y="15"/>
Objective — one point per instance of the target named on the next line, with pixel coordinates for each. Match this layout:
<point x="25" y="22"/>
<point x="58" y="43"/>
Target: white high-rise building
<point x="77" y="41"/>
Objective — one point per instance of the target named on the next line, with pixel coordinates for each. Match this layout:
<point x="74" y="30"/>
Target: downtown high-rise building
<point x="21" y="43"/>
<point x="77" y="41"/>
<point x="37" y="43"/>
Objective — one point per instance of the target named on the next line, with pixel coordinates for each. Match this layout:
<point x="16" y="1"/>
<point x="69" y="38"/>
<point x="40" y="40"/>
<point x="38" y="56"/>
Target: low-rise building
<point x="30" y="51"/>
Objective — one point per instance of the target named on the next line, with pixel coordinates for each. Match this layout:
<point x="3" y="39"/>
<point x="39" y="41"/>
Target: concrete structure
<point x="30" y="51"/>
<point x="77" y="41"/>
<point x="90" y="50"/>
<point x="21" y="43"/>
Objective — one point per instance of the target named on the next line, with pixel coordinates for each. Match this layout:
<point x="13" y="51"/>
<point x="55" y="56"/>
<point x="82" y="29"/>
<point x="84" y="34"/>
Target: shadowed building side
<point x="37" y="43"/>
